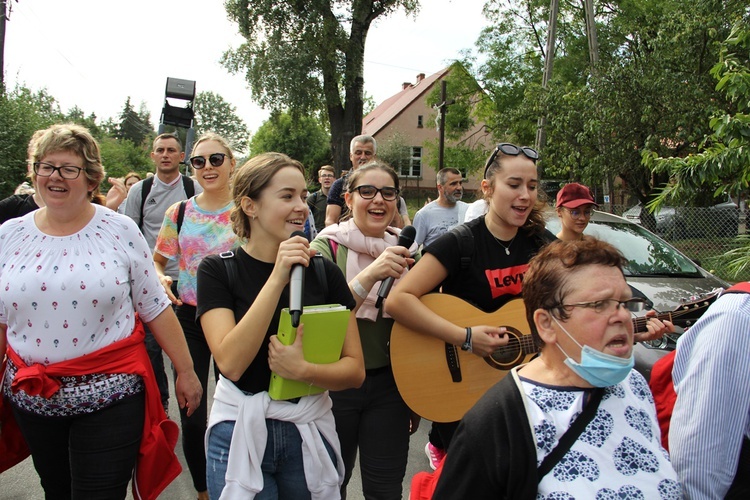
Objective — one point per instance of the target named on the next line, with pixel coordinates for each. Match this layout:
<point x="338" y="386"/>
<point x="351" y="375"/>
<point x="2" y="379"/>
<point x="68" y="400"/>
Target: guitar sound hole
<point x="508" y="355"/>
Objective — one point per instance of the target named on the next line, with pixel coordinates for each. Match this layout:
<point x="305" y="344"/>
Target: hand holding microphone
<point x="406" y="240"/>
<point x="296" y="287"/>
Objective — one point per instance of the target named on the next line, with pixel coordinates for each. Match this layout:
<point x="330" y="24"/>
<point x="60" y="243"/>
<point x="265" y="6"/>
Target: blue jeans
<point x="282" y="467"/>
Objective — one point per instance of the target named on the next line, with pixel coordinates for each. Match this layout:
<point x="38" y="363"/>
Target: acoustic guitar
<point x="440" y="382"/>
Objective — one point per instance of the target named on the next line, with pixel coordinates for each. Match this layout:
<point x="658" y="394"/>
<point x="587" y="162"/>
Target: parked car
<point x="657" y="271"/>
<point x="720" y="220"/>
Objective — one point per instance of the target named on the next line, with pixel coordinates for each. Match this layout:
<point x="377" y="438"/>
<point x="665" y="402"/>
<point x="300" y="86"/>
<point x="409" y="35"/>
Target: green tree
<point x="652" y="88"/>
<point x="134" y="126"/>
<point x="213" y="113"/>
<point x="22" y="112"/>
<point x="303" y="138"/>
<point x="309" y="57"/>
<point x="122" y="156"/>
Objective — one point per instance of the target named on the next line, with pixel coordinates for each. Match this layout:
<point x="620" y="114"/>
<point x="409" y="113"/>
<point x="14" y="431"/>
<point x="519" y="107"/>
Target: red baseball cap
<point x="574" y="195"/>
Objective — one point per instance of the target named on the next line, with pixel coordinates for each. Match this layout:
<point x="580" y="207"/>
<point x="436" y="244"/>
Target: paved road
<point x="22" y="482"/>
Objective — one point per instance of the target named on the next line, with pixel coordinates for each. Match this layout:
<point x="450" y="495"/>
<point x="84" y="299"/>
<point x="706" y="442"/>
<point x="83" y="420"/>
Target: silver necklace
<point x="507" y="249"/>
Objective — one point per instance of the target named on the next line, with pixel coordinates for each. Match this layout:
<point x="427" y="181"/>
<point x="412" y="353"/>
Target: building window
<point x="419" y="122"/>
<point x="414" y="165"/>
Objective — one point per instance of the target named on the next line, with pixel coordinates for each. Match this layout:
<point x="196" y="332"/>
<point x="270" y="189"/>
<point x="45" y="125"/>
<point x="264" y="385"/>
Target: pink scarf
<point x="363" y="250"/>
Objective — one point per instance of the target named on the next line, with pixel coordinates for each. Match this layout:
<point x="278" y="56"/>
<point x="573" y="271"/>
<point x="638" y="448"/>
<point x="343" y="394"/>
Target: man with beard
<point x="437" y="217"/>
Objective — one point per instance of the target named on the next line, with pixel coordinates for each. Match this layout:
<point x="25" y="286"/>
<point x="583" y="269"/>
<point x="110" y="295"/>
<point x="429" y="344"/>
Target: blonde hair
<point x="79" y="141"/>
<point x="212" y="136"/>
<point x="250" y="180"/>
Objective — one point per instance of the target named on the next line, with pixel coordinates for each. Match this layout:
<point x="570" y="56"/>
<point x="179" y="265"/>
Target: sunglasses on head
<point x="511" y="150"/>
<point x="216" y="160"/>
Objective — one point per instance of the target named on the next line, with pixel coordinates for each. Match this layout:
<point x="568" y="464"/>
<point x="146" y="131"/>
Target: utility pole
<point x="443" y="108"/>
<point x="588" y="6"/>
<point x="3" y="19"/>
<point x="554" y="7"/>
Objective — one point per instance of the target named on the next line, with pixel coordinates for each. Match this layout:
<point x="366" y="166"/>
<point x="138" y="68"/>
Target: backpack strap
<point x="180" y="215"/>
<point x="465" y="240"/>
<point x="146" y="186"/>
<point x="231" y="267"/>
<point x="188" y="185"/>
<point x="320" y="272"/>
<point x="571" y="435"/>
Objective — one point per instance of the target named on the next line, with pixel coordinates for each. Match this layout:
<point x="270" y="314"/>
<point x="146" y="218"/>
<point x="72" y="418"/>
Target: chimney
<point x="405" y="85"/>
<point x="420" y="77"/>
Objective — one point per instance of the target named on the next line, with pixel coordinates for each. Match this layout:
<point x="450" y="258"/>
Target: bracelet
<point x="466" y="346"/>
<point x="359" y="289"/>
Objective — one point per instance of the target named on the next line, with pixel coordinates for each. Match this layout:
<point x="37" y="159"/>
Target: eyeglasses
<point x="325" y="176"/>
<point x="216" y="160"/>
<point x="368" y="192"/>
<point x="608" y="306"/>
<point x="68" y="172"/>
<point x="577" y="212"/>
<point x="511" y="150"/>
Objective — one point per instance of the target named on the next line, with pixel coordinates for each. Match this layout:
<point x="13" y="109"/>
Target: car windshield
<point x="646" y="253"/>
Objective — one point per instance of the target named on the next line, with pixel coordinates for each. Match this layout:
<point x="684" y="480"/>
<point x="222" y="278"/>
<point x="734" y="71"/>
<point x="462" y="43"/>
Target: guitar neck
<point x="639" y="323"/>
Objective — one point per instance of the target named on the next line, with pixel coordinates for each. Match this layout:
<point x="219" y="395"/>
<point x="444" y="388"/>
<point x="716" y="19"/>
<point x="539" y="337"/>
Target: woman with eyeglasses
<point x="504" y="240"/>
<point x="258" y="447"/>
<point x="373" y="418"/>
<point x="192" y="230"/>
<point x="77" y="280"/>
<point x="576" y="421"/>
<point x="574" y="206"/>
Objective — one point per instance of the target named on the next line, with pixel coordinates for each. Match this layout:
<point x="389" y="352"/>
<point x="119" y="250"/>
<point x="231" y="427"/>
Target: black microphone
<point x="406" y="240"/>
<point x="296" y="287"/>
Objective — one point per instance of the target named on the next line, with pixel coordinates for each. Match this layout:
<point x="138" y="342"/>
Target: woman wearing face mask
<point x="579" y="308"/>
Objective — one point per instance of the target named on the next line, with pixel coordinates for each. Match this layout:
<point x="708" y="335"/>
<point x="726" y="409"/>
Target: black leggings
<point x="194" y="426"/>
<point x="89" y="456"/>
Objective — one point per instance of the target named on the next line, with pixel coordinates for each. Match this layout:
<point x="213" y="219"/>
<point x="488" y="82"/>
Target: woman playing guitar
<point x="505" y="239"/>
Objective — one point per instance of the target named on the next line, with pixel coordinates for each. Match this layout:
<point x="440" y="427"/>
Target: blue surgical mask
<point x="597" y="368"/>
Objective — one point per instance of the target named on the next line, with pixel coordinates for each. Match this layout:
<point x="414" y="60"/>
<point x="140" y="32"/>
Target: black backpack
<point x="187" y="184"/>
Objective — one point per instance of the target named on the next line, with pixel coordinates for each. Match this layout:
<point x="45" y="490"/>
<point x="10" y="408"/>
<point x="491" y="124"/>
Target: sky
<point x="97" y="53"/>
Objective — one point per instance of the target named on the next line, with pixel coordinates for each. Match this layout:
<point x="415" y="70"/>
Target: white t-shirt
<point x="433" y="220"/>
<point x="476" y="209"/>
<point x="65" y="296"/>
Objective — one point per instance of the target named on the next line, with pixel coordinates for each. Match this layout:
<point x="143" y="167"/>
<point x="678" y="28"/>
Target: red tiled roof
<point x="389" y="109"/>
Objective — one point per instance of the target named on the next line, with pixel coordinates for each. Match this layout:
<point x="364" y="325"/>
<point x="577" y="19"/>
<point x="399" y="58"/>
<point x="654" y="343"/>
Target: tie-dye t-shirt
<point x="618" y="455"/>
<point x="202" y="233"/>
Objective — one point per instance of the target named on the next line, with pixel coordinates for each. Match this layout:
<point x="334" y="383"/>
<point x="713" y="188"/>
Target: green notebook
<point x="325" y="330"/>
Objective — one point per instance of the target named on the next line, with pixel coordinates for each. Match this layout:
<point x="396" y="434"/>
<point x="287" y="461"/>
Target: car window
<point x="646" y="253"/>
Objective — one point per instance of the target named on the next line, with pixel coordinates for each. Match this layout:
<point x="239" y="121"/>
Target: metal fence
<point x="712" y="236"/>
